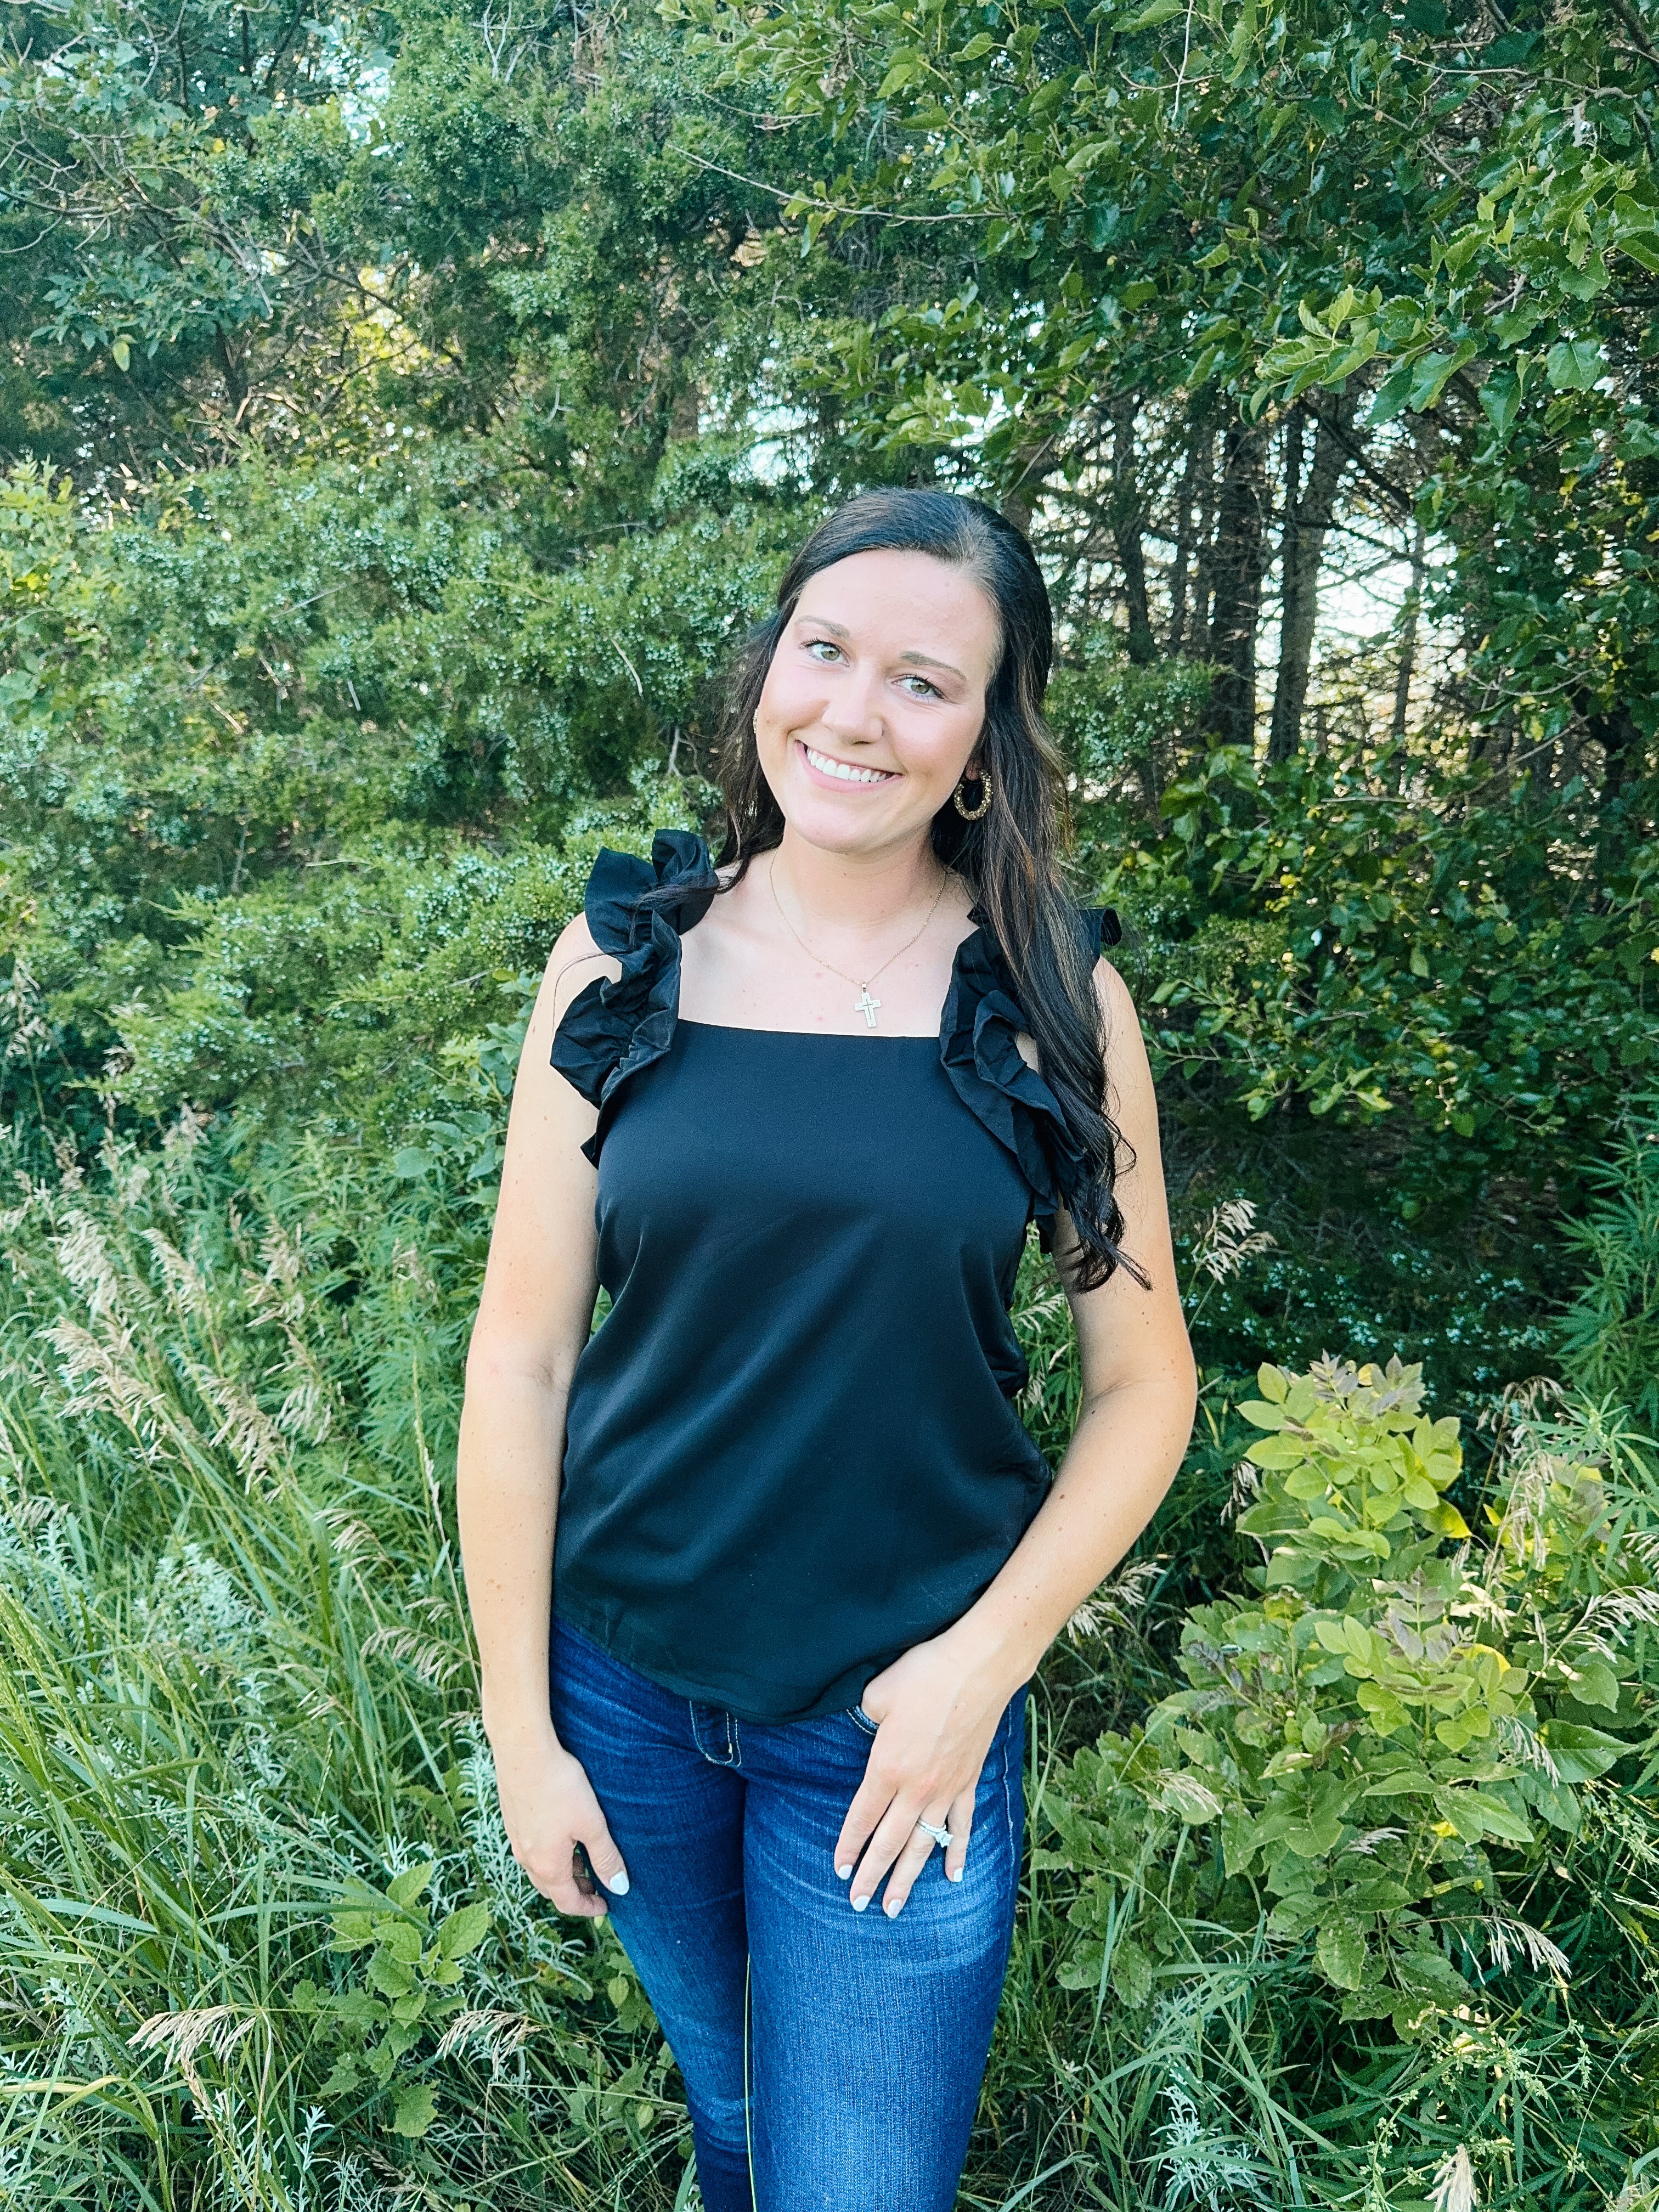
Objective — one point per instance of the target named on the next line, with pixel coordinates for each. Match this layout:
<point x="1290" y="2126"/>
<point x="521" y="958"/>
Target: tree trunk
<point x="1204" y="562"/>
<point x="1308" y="512"/>
<point x="1183" y="552"/>
<point x="1406" y="667"/>
<point x="1128" y="519"/>
<point x="1284" y="731"/>
<point x="1616" y="733"/>
<point x="1238" y="564"/>
<point x="230" y="368"/>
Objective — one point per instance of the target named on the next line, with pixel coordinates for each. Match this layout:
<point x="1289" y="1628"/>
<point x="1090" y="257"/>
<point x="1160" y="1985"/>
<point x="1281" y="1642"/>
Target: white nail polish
<point x="892" y="1907"/>
<point x="618" y="1885"/>
<point x="955" y="1872"/>
<point x="843" y="1873"/>
<point x="861" y="1904"/>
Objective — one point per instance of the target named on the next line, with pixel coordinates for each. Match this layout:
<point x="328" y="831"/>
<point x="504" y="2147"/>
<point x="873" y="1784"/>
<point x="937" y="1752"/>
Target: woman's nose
<point x="853" y="709"/>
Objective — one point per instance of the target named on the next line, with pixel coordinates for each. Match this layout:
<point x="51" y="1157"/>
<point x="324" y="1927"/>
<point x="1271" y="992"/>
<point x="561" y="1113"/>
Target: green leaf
<point x="1580" y="1753"/>
<point x="1340" y="1953"/>
<point x="123" y="353"/>
<point x="1273" y="1384"/>
<point x="1554" y="1800"/>
<point x="1358" y="1639"/>
<point x="352" y="1930"/>
<point x="408" y="1886"/>
<point x="464" y="1930"/>
<point x="1501" y="1819"/>
<point x="1447" y="1520"/>
<point x="1132" y="1972"/>
<point x="402" y="1942"/>
<point x="1273" y="1452"/>
<point x="415" y="2110"/>
<point x="1144" y="20"/>
<point x="1432" y="373"/>
<point x="357" y="2008"/>
<point x="1261" y="1415"/>
<point x="1510" y="51"/>
<point x="1190" y="1800"/>
<point x="1596" y="1685"/>
<point x="977" y="48"/>
<point x="1500" y="402"/>
<point x="1575" y="365"/>
<point x="1403" y="1782"/>
<point x="1392" y="394"/>
<point x="389" y="1975"/>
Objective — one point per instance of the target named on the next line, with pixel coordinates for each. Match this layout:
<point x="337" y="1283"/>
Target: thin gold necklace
<point x="864" y="1004"/>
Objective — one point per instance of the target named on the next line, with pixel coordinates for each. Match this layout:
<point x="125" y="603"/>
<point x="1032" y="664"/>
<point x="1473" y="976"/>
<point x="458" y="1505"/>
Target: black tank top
<point x="791" y="1450"/>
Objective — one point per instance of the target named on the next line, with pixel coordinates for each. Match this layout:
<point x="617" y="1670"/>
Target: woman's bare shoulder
<point x="574" y="962"/>
<point x="1113" y="993"/>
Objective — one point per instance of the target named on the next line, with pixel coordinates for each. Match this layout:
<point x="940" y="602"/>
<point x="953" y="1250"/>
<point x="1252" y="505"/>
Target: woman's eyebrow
<point x="910" y="660"/>
<point x="926" y="661"/>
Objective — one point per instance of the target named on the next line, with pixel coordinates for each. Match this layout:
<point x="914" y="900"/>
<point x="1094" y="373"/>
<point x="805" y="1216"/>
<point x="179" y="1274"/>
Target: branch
<point x="833" y="207"/>
<point x="1633" y="23"/>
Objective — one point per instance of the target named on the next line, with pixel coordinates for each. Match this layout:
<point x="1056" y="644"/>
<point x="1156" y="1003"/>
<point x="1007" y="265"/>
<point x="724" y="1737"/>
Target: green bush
<point x="1377" y="1801"/>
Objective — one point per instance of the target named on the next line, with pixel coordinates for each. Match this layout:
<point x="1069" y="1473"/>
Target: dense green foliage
<point x="402" y="413"/>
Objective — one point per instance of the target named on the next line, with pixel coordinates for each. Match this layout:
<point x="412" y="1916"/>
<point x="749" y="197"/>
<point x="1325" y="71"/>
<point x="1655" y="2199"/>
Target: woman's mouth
<point x="843" y="771"/>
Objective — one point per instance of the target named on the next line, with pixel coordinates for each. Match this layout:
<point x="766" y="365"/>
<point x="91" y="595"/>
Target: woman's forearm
<point x="1122" y="1459"/>
<point x="507" y="1504"/>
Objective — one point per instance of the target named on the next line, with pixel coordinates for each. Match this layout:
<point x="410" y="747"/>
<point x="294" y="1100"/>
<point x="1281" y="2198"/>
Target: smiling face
<point x="875" y="699"/>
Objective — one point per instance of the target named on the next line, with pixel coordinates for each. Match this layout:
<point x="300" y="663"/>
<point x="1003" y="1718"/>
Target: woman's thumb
<point x="605" y="1859"/>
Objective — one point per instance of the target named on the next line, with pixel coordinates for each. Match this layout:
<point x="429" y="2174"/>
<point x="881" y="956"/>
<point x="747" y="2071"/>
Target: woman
<point x="798" y="1556"/>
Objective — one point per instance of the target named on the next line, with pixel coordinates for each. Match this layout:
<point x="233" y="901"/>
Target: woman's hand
<point x="549" y="1810"/>
<point x="936" y="1710"/>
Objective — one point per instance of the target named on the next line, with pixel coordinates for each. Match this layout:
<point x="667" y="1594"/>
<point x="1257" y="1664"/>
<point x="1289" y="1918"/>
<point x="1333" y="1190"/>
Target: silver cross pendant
<point x="864" y="1004"/>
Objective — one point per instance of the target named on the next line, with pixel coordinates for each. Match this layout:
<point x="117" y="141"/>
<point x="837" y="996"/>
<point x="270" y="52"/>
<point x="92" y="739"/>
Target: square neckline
<point x="933" y="1037"/>
<point x="833" y="1036"/>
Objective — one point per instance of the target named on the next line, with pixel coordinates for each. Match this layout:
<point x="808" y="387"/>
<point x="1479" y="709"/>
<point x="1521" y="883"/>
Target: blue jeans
<point x="855" y="2087"/>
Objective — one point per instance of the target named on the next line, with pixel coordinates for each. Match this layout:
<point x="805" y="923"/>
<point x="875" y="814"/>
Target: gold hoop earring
<point x="973" y="813"/>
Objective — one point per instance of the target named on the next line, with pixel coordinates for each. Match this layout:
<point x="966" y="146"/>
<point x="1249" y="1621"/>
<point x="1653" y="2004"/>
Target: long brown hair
<point x="1011" y="858"/>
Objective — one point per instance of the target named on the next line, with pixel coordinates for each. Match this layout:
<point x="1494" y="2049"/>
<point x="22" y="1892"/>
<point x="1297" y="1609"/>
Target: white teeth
<point x="825" y="766"/>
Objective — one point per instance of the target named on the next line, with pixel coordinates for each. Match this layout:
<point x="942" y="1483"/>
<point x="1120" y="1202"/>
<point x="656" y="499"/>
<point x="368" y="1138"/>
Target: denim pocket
<point x="861" y="1720"/>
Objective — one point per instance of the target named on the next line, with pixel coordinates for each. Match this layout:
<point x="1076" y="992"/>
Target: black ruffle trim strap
<point x="610" y="1030"/>
<point x="979" y="1052"/>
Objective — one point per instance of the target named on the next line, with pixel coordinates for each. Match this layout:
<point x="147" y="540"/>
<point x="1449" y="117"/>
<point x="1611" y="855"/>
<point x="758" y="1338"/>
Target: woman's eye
<point x="927" y="691"/>
<point x="821" y="649"/>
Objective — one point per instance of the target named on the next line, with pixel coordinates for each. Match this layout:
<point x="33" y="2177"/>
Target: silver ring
<point x="941" y="1836"/>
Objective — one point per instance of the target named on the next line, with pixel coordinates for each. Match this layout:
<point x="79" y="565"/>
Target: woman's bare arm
<point x="533" y="1320"/>
<point x="1139" y="1393"/>
<point x="939" y="1705"/>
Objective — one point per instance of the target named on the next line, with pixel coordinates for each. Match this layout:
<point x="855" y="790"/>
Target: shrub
<point x="1359" y="1802"/>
